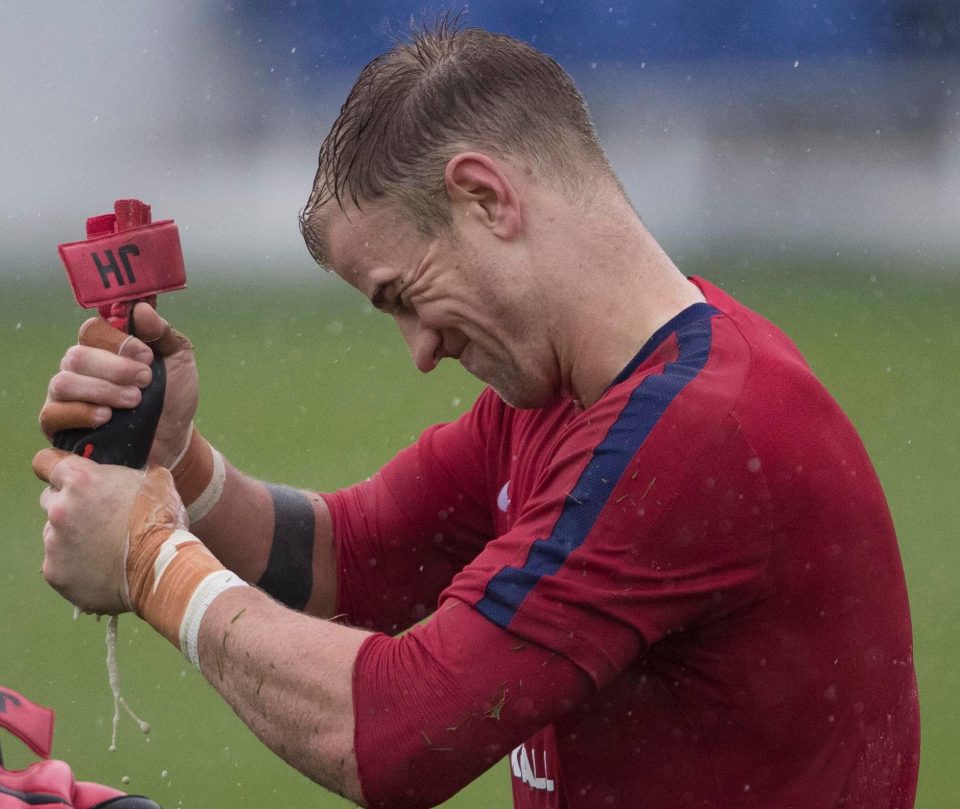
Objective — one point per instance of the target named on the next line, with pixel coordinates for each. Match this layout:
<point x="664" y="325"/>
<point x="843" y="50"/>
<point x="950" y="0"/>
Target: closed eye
<point x="379" y="297"/>
<point x="383" y="301"/>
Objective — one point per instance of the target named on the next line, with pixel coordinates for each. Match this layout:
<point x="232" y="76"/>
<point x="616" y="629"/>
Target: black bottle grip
<point x="126" y="439"/>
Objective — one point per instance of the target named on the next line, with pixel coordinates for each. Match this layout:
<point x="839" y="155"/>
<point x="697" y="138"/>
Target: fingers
<point x="57" y="416"/>
<point x="91" y="384"/>
<point x="98" y="333"/>
<point x="46" y="496"/>
<point x="107" y="370"/>
<point x="46" y="462"/>
<point x="107" y="353"/>
<point x="84" y="538"/>
<point x="103" y="364"/>
<point x="153" y="336"/>
<point x="156" y="332"/>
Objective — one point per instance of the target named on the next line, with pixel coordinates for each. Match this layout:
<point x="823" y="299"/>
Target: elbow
<point x="426" y="781"/>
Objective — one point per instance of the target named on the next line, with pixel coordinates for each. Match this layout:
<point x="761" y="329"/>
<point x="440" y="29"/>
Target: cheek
<point x="404" y="325"/>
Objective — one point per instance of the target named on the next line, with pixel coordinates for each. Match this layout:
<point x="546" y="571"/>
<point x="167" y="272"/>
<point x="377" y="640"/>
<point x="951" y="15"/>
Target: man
<point x="661" y="568"/>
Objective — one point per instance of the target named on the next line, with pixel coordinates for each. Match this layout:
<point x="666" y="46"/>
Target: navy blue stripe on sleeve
<point x="506" y="591"/>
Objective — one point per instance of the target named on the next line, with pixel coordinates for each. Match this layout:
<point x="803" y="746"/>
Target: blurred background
<point x="824" y="125"/>
<point x="805" y="155"/>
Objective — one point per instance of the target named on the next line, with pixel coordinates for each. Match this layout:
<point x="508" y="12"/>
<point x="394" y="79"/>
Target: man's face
<point x="451" y="296"/>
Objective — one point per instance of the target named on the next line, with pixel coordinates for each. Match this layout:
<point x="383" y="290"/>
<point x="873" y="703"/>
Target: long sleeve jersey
<point x="698" y="574"/>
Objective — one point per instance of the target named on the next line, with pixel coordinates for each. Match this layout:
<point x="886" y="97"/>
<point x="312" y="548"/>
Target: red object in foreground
<point x="49" y="782"/>
<point x="30" y="723"/>
<point x="125" y="258"/>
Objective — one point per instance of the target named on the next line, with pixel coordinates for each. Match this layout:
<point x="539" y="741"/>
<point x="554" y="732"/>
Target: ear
<point x="478" y="185"/>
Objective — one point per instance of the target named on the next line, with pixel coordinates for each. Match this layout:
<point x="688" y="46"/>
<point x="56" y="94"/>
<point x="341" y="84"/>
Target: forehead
<point x="359" y="241"/>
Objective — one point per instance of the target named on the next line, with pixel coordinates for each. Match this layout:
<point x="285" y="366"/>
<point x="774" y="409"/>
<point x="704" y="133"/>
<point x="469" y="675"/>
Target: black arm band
<point x="289" y="574"/>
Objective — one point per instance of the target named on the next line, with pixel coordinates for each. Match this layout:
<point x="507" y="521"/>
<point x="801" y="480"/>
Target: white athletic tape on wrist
<point x="208" y="589"/>
<point x="210" y="496"/>
<point x="183" y="452"/>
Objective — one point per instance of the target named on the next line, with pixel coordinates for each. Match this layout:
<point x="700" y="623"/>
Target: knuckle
<point x="71" y="358"/>
<point x="73" y="480"/>
<point x="54" y="386"/>
<point x="45" y="418"/>
<point x="56" y="515"/>
<point x="58" y="386"/>
<point x="52" y="575"/>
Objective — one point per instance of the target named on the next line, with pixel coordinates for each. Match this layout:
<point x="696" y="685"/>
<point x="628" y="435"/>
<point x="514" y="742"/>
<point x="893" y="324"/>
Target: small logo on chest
<point x="503" y="499"/>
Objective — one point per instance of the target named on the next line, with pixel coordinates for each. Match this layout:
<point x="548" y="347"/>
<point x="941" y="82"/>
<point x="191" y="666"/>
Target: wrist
<point x="172" y="580"/>
<point x="171" y="577"/>
<point x="199" y="474"/>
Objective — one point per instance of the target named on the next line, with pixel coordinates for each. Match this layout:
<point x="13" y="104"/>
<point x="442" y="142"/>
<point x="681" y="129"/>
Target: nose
<point x="425" y="344"/>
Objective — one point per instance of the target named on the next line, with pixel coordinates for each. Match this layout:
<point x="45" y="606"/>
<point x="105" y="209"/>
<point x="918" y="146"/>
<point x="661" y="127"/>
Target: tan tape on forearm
<point x="163" y="577"/>
<point x="171" y="576"/>
<point x="177" y="580"/>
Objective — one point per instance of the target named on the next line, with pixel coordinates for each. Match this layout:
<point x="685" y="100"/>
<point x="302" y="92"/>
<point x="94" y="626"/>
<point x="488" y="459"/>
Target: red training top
<point x="688" y="594"/>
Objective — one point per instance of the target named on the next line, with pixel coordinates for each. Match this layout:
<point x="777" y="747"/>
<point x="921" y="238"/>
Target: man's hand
<point x="107" y="369"/>
<point x="94" y="511"/>
<point x="116" y="539"/>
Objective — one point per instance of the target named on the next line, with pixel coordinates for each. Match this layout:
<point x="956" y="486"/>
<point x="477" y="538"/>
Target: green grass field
<point x="305" y="384"/>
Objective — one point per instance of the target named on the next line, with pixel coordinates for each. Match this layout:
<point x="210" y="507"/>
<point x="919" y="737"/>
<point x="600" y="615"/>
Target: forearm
<point x="276" y="537"/>
<point x="289" y="678"/>
<point x="438" y="706"/>
<point x="239" y="527"/>
<point x="335" y="702"/>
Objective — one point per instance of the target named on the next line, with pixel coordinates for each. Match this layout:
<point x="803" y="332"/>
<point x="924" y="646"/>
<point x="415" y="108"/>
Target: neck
<point x="620" y="287"/>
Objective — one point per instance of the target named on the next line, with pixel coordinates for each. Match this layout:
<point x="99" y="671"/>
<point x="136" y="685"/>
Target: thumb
<point x="156" y="332"/>
<point x="45" y="461"/>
